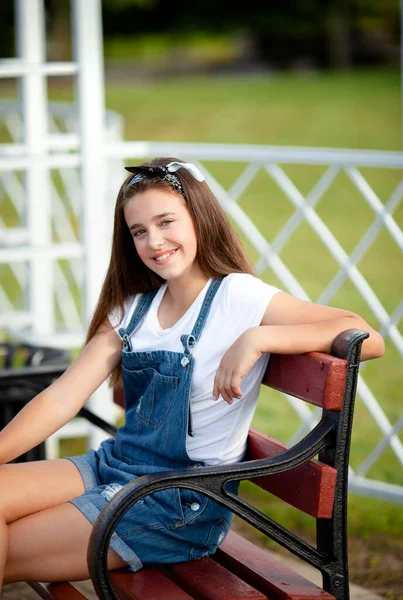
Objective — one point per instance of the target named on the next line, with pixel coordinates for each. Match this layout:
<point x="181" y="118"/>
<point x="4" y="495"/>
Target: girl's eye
<point x="140" y="231"/>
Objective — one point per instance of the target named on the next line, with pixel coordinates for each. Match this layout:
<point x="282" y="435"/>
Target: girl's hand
<point x="236" y="362"/>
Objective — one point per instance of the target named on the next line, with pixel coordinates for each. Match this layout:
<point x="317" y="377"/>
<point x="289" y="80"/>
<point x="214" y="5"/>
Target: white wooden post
<point x="31" y="50"/>
<point x="88" y="50"/>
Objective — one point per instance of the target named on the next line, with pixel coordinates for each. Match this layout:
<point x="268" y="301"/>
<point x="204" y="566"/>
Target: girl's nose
<point x="155" y="239"/>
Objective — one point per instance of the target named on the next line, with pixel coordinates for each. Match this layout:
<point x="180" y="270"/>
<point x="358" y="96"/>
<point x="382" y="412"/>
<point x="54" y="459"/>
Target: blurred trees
<point x="324" y="33"/>
<point x="317" y="33"/>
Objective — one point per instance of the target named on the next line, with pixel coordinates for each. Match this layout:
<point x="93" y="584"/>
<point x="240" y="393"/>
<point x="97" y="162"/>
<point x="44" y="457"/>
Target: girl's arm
<point x="62" y="400"/>
<point x="296" y="326"/>
<point x="289" y="326"/>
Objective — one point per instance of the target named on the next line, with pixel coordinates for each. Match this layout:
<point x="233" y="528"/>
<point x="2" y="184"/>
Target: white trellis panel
<point x="52" y="180"/>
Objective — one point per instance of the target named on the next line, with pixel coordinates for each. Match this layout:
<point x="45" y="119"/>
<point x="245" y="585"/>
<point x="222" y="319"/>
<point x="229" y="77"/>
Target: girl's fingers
<point x="227" y="384"/>
<point x="217" y="384"/>
<point x="232" y="386"/>
<point x="215" y="393"/>
<point x="224" y="395"/>
<point x="236" y="385"/>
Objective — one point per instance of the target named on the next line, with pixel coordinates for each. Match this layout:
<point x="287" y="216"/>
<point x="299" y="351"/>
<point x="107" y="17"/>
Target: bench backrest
<point x="318" y="379"/>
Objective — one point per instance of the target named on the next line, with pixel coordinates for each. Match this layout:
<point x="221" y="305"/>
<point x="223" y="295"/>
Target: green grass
<point x="352" y="110"/>
<point x="356" y="109"/>
<point x="158" y="50"/>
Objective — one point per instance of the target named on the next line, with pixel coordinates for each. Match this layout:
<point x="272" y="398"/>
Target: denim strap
<point x="205" y="309"/>
<point x="187" y="340"/>
<point x="190" y="340"/>
<point x="141" y="309"/>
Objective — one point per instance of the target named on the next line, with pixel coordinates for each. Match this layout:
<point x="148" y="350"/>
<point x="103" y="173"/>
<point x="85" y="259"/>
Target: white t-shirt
<point x="220" y="430"/>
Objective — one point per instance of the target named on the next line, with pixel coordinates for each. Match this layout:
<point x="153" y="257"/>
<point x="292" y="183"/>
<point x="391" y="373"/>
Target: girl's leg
<point x="30" y="487"/>
<point x="51" y="545"/>
<point x="33" y="486"/>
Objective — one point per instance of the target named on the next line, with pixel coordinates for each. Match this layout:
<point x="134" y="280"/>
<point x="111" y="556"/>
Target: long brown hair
<point x="219" y="250"/>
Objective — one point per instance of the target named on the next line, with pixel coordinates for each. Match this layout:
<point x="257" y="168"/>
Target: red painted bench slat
<point x="208" y="580"/>
<point x="56" y="591"/>
<point x="267" y="574"/>
<point x="314" y="377"/>
<point x="309" y="487"/>
<point x="147" y="584"/>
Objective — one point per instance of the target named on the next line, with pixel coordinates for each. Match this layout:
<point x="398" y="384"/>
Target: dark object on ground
<point x="37" y="368"/>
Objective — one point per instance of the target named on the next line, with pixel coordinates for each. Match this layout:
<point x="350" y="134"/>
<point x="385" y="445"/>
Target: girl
<point x="197" y="328"/>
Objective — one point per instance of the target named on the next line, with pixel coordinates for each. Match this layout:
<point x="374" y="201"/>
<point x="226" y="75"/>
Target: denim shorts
<point x="170" y="526"/>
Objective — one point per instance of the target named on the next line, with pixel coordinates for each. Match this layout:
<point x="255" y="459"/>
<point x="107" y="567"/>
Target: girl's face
<point x="163" y="233"/>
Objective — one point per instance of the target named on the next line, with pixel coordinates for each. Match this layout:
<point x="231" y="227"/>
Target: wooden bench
<point x="240" y="570"/>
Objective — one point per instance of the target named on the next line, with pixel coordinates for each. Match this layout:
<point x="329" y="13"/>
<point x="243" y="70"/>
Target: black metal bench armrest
<point x="348" y="343"/>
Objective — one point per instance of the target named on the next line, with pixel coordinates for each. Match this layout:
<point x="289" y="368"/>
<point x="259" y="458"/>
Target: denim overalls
<point x="173" y="525"/>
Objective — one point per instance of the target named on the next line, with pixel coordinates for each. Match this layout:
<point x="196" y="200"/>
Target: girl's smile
<point x="163" y="258"/>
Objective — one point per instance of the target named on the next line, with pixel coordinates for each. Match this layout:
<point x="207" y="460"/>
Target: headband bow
<point x="170" y="168"/>
<point x="165" y="173"/>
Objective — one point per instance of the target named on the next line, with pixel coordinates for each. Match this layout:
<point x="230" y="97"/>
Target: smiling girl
<point x="187" y="326"/>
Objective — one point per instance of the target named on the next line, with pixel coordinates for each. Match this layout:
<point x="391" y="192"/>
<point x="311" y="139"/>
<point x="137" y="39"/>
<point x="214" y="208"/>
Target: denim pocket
<point x="193" y="504"/>
<point x="149" y="395"/>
